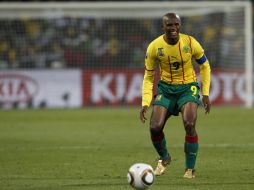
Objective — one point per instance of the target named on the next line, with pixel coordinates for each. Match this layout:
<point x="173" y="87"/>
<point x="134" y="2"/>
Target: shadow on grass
<point x="204" y="184"/>
<point x="95" y="184"/>
<point x="158" y="184"/>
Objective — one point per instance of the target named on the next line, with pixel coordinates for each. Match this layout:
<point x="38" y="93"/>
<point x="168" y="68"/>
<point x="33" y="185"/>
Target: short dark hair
<point x="172" y="15"/>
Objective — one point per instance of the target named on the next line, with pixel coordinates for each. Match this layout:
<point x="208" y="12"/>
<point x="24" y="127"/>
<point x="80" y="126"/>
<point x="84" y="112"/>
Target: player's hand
<point x="206" y="104"/>
<point x="142" y="114"/>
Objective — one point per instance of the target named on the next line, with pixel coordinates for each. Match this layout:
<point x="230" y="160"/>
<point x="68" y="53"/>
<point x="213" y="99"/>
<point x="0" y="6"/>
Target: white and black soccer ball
<point x="140" y="176"/>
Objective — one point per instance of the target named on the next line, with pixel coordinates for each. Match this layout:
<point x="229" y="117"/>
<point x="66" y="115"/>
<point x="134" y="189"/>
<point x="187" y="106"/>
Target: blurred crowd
<point x="89" y="42"/>
<point x="73" y="42"/>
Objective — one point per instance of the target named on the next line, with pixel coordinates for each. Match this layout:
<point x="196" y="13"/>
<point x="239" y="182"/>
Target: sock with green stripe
<point x="159" y="143"/>
<point x="191" y="150"/>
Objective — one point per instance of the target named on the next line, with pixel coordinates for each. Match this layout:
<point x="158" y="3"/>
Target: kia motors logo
<point x="17" y="88"/>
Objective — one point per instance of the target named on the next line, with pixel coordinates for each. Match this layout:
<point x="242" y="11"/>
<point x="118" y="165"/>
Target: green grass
<point x="93" y="148"/>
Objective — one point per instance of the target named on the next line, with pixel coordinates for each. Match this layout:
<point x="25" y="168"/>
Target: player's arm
<point x="147" y="87"/>
<point x="205" y="73"/>
<point x="205" y="76"/>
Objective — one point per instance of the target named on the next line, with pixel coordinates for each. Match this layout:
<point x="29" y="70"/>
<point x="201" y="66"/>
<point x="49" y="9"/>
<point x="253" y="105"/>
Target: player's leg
<point x="157" y="122"/>
<point x="189" y="116"/>
<point x="158" y="119"/>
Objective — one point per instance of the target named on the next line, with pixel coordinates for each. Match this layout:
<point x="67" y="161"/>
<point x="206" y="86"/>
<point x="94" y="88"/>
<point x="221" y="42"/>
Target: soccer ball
<point x="140" y="176"/>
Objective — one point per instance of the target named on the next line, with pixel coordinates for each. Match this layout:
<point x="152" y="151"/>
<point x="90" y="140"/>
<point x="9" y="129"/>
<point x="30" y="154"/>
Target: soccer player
<point x="177" y="89"/>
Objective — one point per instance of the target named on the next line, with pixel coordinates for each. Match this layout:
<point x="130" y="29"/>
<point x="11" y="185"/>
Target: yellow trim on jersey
<point x="175" y="63"/>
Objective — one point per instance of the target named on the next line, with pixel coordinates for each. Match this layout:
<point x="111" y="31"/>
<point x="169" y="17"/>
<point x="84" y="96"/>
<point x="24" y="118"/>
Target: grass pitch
<point x="92" y="149"/>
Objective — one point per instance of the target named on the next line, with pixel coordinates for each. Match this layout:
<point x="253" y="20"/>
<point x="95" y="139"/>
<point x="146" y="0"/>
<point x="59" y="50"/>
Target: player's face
<point x="171" y="27"/>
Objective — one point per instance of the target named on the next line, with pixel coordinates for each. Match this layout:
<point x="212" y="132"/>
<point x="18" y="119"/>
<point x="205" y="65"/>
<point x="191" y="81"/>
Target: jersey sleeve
<point x="150" y="67"/>
<point x="197" y="50"/>
<point x="204" y="66"/>
<point x="205" y="75"/>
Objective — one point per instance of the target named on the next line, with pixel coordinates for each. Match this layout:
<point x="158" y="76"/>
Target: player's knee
<point x="157" y="123"/>
<point x="156" y="127"/>
<point x="155" y="131"/>
<point x="189" y="128"/>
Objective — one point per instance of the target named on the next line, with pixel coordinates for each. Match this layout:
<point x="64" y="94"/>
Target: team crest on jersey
<point x="160" y="52"/>
<point x="186" y="49"/>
